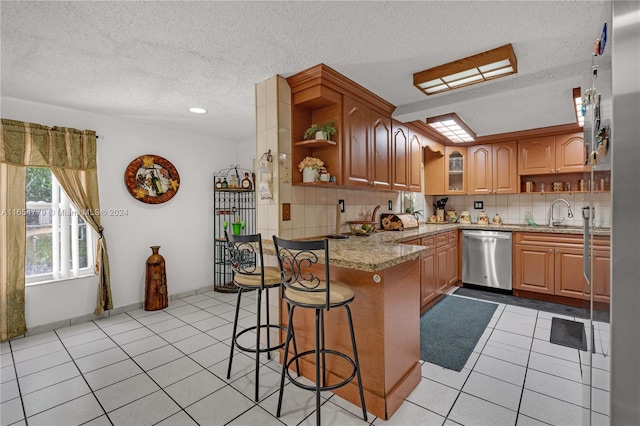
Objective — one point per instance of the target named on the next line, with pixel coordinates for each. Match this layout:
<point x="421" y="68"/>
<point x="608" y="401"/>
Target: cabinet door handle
<point x="558" y="169"/>
<point x="550" y="250"/>
<point x="551" y="170"/>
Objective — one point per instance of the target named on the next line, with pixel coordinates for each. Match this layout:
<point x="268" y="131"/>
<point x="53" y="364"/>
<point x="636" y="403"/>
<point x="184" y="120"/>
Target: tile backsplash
<point x="314" y="209"/>
<point x="513" y="208"/>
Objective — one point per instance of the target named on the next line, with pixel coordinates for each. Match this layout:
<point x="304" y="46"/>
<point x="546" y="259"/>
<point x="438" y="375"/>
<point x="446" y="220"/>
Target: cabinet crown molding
<point x="327" y="76"/>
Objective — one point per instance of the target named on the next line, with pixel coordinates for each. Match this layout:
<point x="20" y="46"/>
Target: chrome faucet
<point x="553" y="221"/>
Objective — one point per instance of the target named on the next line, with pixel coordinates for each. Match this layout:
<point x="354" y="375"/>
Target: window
<point x="59" y="243"/>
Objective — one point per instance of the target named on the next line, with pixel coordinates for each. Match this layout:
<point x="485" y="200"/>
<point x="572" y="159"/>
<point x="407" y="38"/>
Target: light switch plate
<point x="390" y="205"/>
<point x="286" y="174"/>
<point x="478" y="205"/>
<point x="341" y="202"/>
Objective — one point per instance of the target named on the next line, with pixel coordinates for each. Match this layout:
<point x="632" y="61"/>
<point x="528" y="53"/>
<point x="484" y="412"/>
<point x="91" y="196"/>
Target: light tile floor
<point x="169" y="368"/>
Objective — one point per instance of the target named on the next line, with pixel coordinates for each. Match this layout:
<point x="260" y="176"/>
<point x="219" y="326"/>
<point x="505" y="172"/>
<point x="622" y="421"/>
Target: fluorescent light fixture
<point x="484" y="66"/>
<point x="452" y="127"/>
<point x="577" y="99"/>
<point x="197" y="110"/>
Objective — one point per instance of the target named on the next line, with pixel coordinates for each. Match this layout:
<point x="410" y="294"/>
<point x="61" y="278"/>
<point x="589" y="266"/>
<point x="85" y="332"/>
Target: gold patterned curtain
<point x="71" y="155"/>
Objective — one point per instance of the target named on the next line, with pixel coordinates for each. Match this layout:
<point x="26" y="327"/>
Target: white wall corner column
<point x="273" y="132"/>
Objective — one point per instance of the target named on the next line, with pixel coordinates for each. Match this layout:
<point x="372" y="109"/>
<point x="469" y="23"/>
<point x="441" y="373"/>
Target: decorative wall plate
<point x="152" y="179"/>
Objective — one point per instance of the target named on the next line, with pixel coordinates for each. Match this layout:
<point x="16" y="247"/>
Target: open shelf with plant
<point x="316" y="130"/>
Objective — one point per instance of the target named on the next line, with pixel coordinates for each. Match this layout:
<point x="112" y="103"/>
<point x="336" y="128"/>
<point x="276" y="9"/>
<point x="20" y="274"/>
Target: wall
<point x="182" y="226"/>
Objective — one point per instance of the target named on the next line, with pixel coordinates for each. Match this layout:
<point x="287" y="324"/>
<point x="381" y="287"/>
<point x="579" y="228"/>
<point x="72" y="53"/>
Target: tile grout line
<point x="85" y="380"/>
<point x="526" y="369"/>
<point x="15" y="371"/>
<point x="151" y="378"/>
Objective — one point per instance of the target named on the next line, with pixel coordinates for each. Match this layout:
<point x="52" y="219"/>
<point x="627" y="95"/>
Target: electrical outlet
<point x="341" y="202"/>
<point x="286" y="211"/>
<point x="478" y="205"/>
<point x="390" y="205"/>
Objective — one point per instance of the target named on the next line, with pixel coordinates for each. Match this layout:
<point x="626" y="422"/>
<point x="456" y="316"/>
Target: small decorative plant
<point x="310" y="133"/>
<point x="314" y="163"/>
<point x="328" y="128"/>
<point x="411" y="196"/>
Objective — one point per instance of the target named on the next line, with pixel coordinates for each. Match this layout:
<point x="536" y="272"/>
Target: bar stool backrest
<point x="245" y="254"/>
<point x="296" y="258"/>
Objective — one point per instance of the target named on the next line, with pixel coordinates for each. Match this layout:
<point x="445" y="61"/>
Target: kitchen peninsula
<point x="384" y="274"/>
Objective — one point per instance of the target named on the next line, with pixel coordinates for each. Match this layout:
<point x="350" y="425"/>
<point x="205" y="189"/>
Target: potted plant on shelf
<point x="310" y="168"/>
<point x="321" y="132"/>
<point x="313" y="132"/>
<point x="328" y="128"/>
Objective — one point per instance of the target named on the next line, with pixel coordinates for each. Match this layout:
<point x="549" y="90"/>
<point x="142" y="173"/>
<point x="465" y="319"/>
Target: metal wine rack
<point x="231" y="205"/>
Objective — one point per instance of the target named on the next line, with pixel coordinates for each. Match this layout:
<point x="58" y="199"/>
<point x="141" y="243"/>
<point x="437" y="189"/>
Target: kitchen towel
<point x="451" y="328"/>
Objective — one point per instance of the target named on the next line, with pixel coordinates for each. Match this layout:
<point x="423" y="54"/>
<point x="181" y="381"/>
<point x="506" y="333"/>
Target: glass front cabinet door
<point x="455" y="165"/>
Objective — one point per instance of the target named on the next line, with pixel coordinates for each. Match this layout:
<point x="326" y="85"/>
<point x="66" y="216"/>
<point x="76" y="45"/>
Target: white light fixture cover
<point x="474" y="69"/>
<point x="452" y="127"/>
<point x="197" y="110"/>
<point x="577" y="99"/>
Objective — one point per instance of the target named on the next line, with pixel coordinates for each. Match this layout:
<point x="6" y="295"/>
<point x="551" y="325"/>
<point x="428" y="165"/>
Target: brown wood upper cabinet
<point x="415" y="161"/>
<point x="367" y="147"/>
<point x="445" y="174"/>
<point x="492" y="168"/>
<point x="406" y="162"/>
<point x="400" y="156"/>
<point x="359" y="154"/>
<point x="551" y="154"/>
<point x="455" y="168"/>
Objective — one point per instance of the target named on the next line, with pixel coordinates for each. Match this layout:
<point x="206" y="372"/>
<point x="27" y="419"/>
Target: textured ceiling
<point x="148" y="61"/>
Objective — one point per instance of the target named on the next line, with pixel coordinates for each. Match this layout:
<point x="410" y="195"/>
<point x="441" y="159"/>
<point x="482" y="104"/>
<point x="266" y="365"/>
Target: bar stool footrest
<point x="322" y="388"/>
<point x="262" y="349"/>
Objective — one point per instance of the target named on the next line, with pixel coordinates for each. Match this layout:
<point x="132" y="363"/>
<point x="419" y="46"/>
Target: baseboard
<point x="115" y="311"/>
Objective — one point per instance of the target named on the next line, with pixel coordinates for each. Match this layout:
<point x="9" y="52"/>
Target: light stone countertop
<point x="384" y="249"/>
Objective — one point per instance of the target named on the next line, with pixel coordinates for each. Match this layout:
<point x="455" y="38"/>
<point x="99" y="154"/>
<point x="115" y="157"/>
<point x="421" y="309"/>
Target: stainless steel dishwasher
<point x="486" y="258"/>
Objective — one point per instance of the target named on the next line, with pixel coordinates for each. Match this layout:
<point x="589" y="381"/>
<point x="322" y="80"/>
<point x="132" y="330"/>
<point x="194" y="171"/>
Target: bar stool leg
<point x="355" y="359"/>
<point x="268" y="325"/>
<point x="318" y="350"/>
<point x="233" y="334"/>
<point x="259" y="302"/>
<point x="286" y="357"/>
<point x="323" y="347"/>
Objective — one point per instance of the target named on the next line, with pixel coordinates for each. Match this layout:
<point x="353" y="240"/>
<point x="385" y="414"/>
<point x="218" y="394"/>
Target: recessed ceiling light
<point x="474" y="69"/>
<point x="196" y="110"/>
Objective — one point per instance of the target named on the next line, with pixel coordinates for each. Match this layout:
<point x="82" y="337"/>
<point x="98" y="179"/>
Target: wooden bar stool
<point x="245" y="254"/>
<point x="302" y="288"/>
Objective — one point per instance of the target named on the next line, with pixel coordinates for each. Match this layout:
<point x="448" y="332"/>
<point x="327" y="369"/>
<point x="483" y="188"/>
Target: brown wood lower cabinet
<point x="552" y="264"/>
<point x="428" y="273"/>
<point x="439" y="269"/>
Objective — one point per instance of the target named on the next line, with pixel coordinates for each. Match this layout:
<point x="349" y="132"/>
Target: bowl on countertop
<point x="362" y="228"/>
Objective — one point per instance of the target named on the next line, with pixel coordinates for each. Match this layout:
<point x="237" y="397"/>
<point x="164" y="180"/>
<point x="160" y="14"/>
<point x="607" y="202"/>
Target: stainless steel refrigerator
<point x="625" y="232"/>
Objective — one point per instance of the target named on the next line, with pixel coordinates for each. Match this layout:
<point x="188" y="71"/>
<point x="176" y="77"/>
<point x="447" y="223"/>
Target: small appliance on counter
<point x="398" y="221"/>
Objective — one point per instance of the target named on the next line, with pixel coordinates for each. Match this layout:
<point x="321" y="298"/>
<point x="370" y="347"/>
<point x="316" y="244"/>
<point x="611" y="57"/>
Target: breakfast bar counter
<point x="385" y="277"/>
